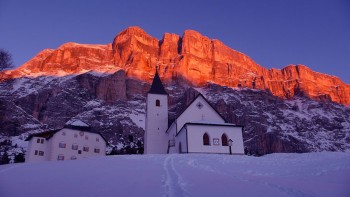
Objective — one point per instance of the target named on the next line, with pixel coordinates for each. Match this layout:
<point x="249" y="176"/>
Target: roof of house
<point x="78" y="125"/>
<point x="46" y="134"/>
<point x="74" y="124"/>
<point x="157" y="85"/>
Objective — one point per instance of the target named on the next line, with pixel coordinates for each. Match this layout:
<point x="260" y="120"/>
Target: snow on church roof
<point x="204" y="122"/>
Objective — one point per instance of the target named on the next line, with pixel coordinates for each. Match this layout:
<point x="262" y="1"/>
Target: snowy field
<point x="312" y="174"/>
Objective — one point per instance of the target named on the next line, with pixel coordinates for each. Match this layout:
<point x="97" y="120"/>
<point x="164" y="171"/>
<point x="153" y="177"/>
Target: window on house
<point x="79" y="152"/>
<point x="38" y="140"/>
<point x="158" y="103"/>
<point x="81" y="133"/>
<point x="75" y="146"/>
<point x="97" y="150"/>
<point x="63" y="133"/>
<point x="41" y="153"/>
<point x="86" y="148"/>
<point x="42" y="141"/>
<point x="206" y="140"/>
<point x="60" y="157"/>
<point x="75" y="135"/>
<point x="36" y="152"/>
<point x="224" y="140"/>
<point x="62" y="145"/>
<point x="73" y="157"/>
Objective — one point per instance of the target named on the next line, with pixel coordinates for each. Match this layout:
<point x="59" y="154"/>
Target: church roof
<point x="185" y="108"/>
<point x="208" y="124"/>
<point x="157" y="85"/>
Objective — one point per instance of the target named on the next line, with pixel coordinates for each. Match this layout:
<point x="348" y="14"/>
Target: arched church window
<point x="158" y="103"/>
<point x="206" y="140"/>
<point x="224" y="140"/>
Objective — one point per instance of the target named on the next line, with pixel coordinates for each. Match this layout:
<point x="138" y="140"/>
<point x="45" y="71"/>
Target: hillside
<point x="311" y="174"/>
<point x="290" y="110"/>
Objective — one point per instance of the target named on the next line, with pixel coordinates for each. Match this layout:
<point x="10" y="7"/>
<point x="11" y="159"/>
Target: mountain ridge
<point x="192" y="57"/>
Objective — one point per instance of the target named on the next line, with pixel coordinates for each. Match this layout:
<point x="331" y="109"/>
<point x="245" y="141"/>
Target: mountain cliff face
<point x="290" y="110"/>
<point x="192" y="58"/>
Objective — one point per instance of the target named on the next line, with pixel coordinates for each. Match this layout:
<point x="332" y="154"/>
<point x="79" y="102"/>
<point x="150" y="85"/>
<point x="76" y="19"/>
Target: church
<point x="198" y="129"/>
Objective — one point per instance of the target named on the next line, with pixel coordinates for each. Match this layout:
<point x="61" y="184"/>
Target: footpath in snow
<point x="311" y="174"/>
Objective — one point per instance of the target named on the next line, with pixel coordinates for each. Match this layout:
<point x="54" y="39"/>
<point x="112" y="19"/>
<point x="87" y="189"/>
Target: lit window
<point x="75" y="146"/>
<point x="224" y="140"/>
<point x="41" y="153"/>
<point x="158" y="103"/>
<point x="62" y="145"/>
<point x="97" y="150"/>
<point x="73" y="157"/>
<point x="60" y="157"/>
<point x="36" y="152"/>
<point x="86" y="148"/>
<point x="206" y="140"/>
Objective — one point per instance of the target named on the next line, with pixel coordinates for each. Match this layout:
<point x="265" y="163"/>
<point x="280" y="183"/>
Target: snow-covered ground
<point x="309" y="174"/>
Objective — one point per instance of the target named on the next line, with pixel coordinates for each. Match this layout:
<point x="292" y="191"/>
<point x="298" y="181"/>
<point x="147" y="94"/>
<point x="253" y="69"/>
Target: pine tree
<point x="5" y="158"/>
<point x="19" y="158"/>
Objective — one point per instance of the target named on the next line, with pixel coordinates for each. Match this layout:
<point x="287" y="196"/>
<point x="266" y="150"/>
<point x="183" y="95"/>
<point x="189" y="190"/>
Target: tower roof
<point x="157" y="86"/>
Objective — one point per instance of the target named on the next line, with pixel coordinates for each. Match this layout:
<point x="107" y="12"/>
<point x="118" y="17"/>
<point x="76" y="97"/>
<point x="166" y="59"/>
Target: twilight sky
<point x="273" y="33"/>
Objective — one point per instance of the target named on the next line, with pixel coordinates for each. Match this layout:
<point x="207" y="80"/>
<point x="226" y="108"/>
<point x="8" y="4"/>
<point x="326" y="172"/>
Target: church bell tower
<point x="155" y="139"/>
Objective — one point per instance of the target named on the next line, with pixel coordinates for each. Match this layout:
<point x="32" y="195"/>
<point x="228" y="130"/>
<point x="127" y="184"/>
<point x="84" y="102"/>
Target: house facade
<point x="74" y="141"/>
<point x="198" y="129"/>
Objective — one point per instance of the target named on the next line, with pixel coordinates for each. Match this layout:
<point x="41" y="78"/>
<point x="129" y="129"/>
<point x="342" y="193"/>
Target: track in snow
<point x="174" y="184"/>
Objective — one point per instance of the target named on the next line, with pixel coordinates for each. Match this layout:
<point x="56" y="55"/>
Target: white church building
<point x="74" y="141"/>
<point x="198" y="129"/>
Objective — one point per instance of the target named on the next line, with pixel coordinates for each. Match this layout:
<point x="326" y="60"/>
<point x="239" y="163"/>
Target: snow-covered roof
<point x="77" y="123"/>
<point x="205" y="122"/>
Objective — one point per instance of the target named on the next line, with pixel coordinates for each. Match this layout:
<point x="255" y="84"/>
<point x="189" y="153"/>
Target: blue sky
<point x="273" y="33"/>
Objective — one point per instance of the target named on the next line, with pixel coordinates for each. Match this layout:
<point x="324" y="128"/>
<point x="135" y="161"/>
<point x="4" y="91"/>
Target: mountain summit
<point x="192" y="57"/>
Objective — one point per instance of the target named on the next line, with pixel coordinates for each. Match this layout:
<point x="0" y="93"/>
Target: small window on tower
<point x="158" y="103"/>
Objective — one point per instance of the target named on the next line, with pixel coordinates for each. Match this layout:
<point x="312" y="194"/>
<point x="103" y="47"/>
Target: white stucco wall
<point x="156" y="140"/>
<point x="195" y="139"/>
<point x="171" y="135"/>
<point x="33" y="146"/>
<point x="193" y="113"/>
<point x="70" y="139"/>
<point x="181" y="138"/>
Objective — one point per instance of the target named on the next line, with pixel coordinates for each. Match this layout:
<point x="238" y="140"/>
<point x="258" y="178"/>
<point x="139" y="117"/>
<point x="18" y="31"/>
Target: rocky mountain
<point x="290" y="110"/>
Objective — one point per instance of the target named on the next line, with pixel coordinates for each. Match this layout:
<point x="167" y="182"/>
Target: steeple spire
<point x="157" y="85"/>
